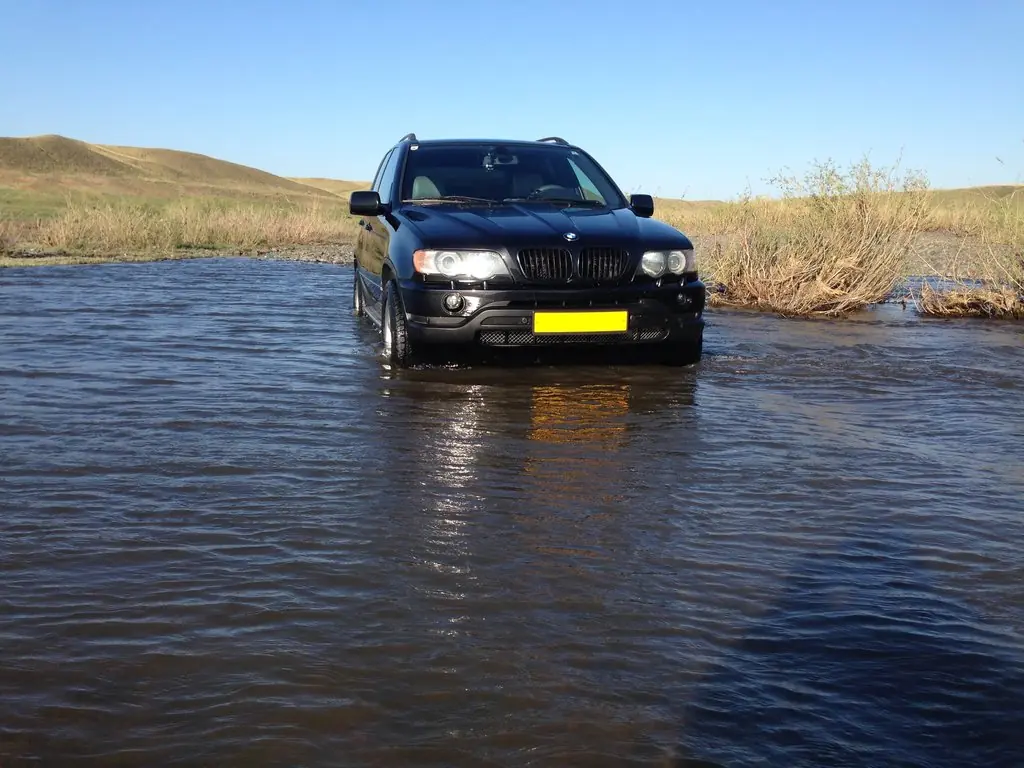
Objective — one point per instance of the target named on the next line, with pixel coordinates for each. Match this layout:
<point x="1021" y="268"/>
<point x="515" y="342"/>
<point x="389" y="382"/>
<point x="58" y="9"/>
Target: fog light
<point x="684" y="299"/>
<point x="453" y="302"/>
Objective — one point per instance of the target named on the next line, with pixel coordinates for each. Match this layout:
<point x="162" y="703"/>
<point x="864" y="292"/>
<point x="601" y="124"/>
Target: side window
<point x="387" y="178"/>
<point x="589" y="190"/>
<point x="380" y="170"/>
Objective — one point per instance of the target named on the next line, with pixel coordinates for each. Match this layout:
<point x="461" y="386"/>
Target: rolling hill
<point x="334" y="186"/>
<point x="38" y="174"/>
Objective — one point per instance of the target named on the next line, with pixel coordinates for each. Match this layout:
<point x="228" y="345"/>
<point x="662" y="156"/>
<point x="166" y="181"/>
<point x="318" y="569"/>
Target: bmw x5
<point x="496" y="244"/>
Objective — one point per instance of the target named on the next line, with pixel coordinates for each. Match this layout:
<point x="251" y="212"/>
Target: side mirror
<point x="642" y="205"/>
<point x="365" y="203"/>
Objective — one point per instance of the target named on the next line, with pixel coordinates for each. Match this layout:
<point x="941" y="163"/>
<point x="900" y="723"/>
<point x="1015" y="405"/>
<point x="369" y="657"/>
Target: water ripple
<point x="229" y="535"/>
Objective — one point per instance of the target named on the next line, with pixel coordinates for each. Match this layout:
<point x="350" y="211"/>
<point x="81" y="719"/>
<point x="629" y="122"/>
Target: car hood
<point x="519" y="225"/>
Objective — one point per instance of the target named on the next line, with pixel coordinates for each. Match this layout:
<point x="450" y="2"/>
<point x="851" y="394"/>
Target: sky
<point x="674" y="98"/>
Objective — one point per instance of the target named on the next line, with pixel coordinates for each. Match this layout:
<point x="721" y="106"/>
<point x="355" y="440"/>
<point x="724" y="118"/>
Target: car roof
<point x="452" y="141"/>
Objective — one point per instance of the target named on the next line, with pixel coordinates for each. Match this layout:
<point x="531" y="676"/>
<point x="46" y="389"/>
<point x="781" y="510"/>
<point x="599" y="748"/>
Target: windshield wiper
<point x="452" y="199"/>
<point x="564" y="201"/>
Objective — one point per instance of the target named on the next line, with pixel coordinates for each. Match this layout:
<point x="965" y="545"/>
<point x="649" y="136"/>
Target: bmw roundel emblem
<point x="570" y="236"/>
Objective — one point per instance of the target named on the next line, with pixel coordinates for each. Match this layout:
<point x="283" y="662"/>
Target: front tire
<point x="358" y="306"/>
<point x="398" y="349"/>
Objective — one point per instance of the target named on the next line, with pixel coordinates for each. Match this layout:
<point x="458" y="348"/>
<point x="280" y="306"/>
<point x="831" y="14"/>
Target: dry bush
<point x="11" y="233"/>
<point x="836" y="241"/>
<point x="971" y="301"/>
<point x="131" y="227"/>
<point x="997" y="291"/>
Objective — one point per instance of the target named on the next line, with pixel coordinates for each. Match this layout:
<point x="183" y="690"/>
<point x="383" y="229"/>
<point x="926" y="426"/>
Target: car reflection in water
<point x="559" y="453"/>
<point x="576" y="434"/>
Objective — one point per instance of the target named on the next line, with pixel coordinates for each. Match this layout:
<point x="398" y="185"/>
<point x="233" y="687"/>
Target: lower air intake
<point x="520" y="338"/>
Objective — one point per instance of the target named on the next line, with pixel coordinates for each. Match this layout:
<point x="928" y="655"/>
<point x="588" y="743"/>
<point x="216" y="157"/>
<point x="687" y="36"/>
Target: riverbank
<point x="329" y="253"/>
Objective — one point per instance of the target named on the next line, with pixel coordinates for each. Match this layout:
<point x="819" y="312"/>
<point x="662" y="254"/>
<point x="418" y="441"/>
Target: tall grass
<point x="11" y="233"/>
<point x="836" y="241"/>
<point x="132" y="227"/>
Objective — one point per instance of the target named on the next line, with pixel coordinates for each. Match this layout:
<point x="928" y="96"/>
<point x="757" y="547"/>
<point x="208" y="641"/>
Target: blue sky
<point x="676" y="98"/>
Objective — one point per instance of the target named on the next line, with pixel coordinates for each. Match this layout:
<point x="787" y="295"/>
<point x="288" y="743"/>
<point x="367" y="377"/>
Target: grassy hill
<point x="334" y="186"/>
<point x="39" y="174"/>
<point x="67" y="196"/>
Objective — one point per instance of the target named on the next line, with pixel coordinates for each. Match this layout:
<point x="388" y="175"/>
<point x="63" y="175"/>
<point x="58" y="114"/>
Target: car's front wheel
<point x="358" y="308"/>
<point x="398" y="349"/>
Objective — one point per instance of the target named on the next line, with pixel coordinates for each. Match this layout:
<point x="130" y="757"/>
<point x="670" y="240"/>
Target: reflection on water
<point x="229" y="535"/>
<point x="576" y="439"/>
<point x="593" y="414"/>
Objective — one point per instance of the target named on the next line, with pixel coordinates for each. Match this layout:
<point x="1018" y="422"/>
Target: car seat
<point x="423" y="186"/>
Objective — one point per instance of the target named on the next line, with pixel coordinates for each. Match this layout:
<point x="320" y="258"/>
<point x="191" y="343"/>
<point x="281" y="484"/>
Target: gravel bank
<point x="934" y="253"/>
<point x="326" y="254"/>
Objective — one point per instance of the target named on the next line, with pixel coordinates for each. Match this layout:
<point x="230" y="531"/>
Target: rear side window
<point x="387" y="177"/>
<point x="380" y="170"/>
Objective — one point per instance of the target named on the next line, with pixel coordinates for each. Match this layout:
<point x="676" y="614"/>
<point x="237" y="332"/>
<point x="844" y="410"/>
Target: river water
<point x="230" y="536"/>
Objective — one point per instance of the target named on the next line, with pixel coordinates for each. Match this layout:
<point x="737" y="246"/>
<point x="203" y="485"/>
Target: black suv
<point x="518" y="243"/>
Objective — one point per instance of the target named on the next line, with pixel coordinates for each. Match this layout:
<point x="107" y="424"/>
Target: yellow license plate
<point x="612" y="321"/>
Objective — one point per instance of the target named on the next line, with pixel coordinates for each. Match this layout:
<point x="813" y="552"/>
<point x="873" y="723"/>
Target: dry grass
<point x="992" y="286"/>
<point x="993" y="213"/>
<point x="134" y="228"/>
<point x="338" y="187"/>
<point x="11" y="233"/>
<point x="990" y="300"/>
<point x="835" y="242"/>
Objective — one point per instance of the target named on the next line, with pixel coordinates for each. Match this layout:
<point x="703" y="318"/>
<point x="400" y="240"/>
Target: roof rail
<point x="408" y="137"/>
<point x="555" y="139"/>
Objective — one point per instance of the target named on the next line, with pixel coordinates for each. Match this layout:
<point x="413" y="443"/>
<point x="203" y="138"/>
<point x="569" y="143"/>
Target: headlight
<point x="477" y="265"/>
<point x="653" y="263"/>
<point x="657" y="263"/>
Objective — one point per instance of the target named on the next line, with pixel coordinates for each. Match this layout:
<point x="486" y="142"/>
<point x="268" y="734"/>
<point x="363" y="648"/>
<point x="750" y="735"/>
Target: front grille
<point x="547" y="265"/>
<point x="603" y="264"/>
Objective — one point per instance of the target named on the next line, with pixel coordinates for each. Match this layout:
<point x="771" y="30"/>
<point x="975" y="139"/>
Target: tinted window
<point x="387" y="178"/>
<point x="500" y="172"/>
<point x="380" y="169"/>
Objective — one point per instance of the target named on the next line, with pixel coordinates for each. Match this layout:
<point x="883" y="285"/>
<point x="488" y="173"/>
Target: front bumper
<point x="504" y="317"/>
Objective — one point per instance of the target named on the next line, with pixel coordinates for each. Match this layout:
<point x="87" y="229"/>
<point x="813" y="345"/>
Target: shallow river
<point x="230" y="536"/>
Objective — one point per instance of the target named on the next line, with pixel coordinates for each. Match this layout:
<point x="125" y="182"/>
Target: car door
<point x="378" y="229"/>
<point x="366" y="242"/>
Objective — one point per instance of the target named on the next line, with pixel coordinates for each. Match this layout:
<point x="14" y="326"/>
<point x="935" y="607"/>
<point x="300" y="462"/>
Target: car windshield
<point x="515" y="173"/>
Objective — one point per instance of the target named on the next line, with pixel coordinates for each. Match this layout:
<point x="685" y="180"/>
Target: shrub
<point x="836" y="241"/>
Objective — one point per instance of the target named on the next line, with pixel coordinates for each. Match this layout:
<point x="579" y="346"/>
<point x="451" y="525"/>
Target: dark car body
<point x="551" y="250"/>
